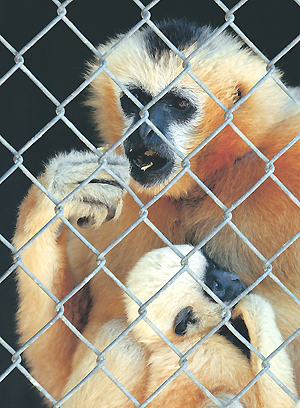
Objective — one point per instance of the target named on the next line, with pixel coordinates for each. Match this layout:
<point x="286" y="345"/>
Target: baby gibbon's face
<point x="185" y="306"/>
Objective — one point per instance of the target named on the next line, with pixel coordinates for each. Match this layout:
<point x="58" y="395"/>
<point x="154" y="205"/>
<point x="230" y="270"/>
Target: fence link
<point x="60" y="115"/>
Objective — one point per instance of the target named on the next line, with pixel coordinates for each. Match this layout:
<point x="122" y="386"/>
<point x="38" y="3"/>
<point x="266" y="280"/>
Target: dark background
<point x="58" y="60"/>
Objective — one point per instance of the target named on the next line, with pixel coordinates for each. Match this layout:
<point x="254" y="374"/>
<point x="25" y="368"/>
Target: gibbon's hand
<point x="98" y="201"/>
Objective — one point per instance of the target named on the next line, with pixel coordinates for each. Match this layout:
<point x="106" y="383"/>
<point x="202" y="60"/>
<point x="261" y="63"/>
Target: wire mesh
<point x="60" y="115"/>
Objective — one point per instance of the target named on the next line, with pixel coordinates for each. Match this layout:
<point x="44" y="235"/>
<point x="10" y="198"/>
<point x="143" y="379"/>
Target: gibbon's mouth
<point x="146" y="160"/>
<point x="149" y="167"/>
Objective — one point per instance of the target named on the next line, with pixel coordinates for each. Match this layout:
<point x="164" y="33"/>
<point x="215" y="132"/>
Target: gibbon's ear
<point x="182" y="319"/>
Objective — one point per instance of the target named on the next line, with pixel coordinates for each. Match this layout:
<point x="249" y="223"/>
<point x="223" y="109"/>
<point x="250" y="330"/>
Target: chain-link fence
<point x="57" y="110"/>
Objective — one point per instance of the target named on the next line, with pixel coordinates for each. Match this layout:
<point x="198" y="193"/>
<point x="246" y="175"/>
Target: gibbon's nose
<point x="226" y="285"/>
<point x="156" y="116"/>
<point x="146" y="132"/>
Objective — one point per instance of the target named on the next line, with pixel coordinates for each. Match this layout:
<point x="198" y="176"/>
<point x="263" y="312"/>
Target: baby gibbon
<point x="182" y="142"/>
<point x="142" y="362"/>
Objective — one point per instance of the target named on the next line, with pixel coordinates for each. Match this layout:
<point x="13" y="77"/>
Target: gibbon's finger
<point x="89" y="221"/>
<point x="86" y="222"/>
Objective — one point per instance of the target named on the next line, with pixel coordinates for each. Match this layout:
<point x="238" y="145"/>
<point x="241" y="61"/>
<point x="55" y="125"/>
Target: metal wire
<point x="59" y="114"/>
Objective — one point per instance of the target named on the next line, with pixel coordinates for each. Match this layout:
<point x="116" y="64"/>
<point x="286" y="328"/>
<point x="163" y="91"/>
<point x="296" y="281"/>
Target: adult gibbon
<point x="185" y="116"/>
<point x="184" y="313"/>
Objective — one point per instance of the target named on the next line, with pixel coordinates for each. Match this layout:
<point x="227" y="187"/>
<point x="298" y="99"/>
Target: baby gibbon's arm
<point x="265" y="336"/>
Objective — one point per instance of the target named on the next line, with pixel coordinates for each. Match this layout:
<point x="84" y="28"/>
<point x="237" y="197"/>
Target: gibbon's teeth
<point x="142" y="160"/>
<point x="146" y="166"/>
<point x="147" y="160"/>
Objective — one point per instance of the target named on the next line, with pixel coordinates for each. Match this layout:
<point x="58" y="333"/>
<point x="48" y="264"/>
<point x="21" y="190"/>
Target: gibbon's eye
<point x="179" y="103"/>
<point x="226" y="285"/>
<point x="128" y="106"/>
<point x="217" y="286"/>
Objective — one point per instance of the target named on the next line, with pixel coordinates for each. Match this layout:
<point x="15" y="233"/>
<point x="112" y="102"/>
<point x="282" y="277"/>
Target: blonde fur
<point x="61" y="177"/>
<point x="184" y="214"/>
<point x="126" y="361"/>
<point x="142" y="362"/>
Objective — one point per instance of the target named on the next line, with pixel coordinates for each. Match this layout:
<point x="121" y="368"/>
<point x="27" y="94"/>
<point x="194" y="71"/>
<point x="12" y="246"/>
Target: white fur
<point x="141" y="361"/>
<point x="224" y="399"/>
<point x="125" y="361"/>
<point x="161" y="265"/>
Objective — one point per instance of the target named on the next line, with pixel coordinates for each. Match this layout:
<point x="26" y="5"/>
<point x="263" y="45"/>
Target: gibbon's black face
<point x="152" y="160"/>
<point x="226" y="285"/>
<point x="164" y="110"/>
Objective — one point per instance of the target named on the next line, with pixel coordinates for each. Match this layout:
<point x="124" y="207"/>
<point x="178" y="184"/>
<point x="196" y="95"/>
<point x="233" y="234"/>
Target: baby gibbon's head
<point x="184" y="307"/>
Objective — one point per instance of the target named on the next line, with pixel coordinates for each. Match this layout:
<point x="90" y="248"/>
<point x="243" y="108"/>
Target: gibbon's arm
<point x="126" y="361"/>
<point x="260" y="321"/>
<point x="46" y="256"/>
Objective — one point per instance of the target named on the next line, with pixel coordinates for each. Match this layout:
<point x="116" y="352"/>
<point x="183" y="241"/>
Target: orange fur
<point x="51" y="343"/>
<point x="227" y="165"/>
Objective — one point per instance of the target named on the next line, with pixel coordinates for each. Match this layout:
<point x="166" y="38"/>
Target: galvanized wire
<point x="59" y="114"/>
